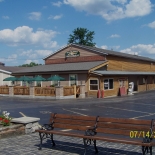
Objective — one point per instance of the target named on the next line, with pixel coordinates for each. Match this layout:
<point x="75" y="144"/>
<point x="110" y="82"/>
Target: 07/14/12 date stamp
<point x="139" y="134"/>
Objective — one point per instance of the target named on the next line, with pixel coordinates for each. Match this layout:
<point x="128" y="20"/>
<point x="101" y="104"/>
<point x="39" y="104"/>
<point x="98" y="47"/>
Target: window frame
<point x="94" y="84"/>
<point x="108" y="83"/>
<point x="76" y="79"/>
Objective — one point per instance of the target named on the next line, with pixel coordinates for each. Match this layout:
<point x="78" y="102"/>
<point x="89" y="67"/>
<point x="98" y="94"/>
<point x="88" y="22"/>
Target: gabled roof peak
<point x="105" y="51"/>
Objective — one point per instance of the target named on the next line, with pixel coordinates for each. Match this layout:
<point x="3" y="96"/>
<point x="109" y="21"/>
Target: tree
<point x="82" y="36"/>
<point x="31" y="64"/>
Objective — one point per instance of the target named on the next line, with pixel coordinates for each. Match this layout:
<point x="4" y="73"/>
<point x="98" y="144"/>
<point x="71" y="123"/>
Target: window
<point x="94" y="84"/>
<point x="73" y="79"/>
<point x="54" y="83"/>
<point x="108" y="84"/>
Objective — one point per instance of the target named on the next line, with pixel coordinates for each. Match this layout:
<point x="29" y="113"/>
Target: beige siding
<point x="112" y="92"/>
<point x="3" y="76"/>
<point x="126" y="64"/>
<point x="61" y="54"/>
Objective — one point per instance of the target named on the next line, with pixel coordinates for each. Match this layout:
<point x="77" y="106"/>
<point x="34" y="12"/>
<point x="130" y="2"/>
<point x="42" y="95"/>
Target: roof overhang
<point x="98" y="66"/>
<point x="5" y="71"/>
<point x="101" y="73"/>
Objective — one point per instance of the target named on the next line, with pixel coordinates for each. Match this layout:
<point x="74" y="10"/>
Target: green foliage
<point x="31" y="64"/>
<point x="82" y="36"/>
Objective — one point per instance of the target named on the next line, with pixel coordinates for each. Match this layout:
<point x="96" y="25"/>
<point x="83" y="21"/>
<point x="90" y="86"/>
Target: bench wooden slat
<point x="74" y="127"/>
<point x="76" y="117"/>
<point x="125" y="121"/>
<point x="126" y="141"/>
<point x="75" y="122"/>
<point x="132" y="127"/>
<point x="120" y="132"/>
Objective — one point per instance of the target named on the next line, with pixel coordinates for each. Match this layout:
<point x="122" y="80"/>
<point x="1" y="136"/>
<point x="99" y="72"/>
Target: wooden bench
<point x="91" y="129"/>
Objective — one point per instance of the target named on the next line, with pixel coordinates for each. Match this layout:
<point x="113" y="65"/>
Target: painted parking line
<point x="80" y="109"/>
<point x="143" y="116"/>
<point x="74" y="112"/>
<point x="125" y="109"/>
<point x="45" y="112"/>
<point x="145" y="104"/>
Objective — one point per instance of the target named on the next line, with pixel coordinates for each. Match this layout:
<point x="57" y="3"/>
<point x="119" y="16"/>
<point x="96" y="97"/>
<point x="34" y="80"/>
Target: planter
<point x="12" y="130"/>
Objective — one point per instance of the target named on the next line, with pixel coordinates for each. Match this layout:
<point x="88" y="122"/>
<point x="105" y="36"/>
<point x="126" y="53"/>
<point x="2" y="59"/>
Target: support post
<point x="146" y="82"/>
<point x="74" y="91"/>
<point x="82" y="91"/>
<point x="32" y="93"/>
<point x="59" y="92"/>
<point x="137" y="83"/>
<point x="11" y="90"/>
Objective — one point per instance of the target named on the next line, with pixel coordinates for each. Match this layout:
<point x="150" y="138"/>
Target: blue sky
<point x="32" y="29"/>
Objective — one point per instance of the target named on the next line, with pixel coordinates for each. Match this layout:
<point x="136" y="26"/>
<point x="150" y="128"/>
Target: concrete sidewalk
<point x="28" y="145"/>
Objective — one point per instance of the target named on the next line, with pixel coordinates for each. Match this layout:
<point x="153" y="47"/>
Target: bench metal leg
<point x="96" y="150"/>
<point x="52" y="140"/>
<point x="41" y="139"/>
<point x="150" y="150"/>
<point x="85" y="146"/>
<point x="146" y="149"/>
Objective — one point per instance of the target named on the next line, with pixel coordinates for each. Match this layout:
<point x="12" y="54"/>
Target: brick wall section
<point x="59" y="91"/>
<point x="74" y="59"/>
<point x="32" y="91"/>
<point x="11" y="90"/>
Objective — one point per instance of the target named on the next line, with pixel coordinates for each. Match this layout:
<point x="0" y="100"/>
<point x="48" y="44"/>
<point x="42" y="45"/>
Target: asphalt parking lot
<point x="138" y="106"/>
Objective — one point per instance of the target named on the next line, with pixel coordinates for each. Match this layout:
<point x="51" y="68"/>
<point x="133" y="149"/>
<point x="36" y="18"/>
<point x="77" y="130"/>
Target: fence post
<point x="11" y="90"/>
<point x="59" y="92"/>
<point x="82" y="91"/>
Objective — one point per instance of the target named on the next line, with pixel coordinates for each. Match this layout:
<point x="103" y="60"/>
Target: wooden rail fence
<point x="150" y="86"/>
<point x="4" y="90"/>
<point x="69" y="90"/>
<point x="44" y="91"/>
<point x="145" y="87"/>
<point x="21" y="90"/>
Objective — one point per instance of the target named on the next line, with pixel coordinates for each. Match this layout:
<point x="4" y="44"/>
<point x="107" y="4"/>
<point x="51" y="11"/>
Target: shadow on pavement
<point x="69" y="148"/>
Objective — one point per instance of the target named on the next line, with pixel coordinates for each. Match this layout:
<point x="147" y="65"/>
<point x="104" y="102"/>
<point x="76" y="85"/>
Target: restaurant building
<point x="97" y="69"/>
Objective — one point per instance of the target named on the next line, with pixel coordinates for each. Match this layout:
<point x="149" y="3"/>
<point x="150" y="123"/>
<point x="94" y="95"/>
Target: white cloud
<point x="116" y="47"/>
<point x="111" y="47"/>
<point x="1" y="0"/>
<point x="5" y="17"/>
<point x="33" y="54"/>
<point x="55" y="17"/>
<point x="35" y="15"/>
<point x="29" y="61"/>
<point x="152" y="25"/>
<point x="104" y="47"/>
<point x="113" y="9"/>
<point x="25" y="35"/>
<point x="141" y="49"/>
<point x="44" y="7"/>
<point x="58" y="4"/>
<point x="114" y="36"/>
<point x="10" y="58"/>
<point x="120" y="1"/>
